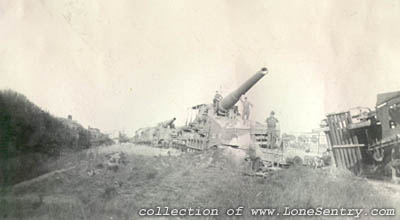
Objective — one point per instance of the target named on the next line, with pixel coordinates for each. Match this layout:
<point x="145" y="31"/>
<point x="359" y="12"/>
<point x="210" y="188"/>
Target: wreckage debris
<point x="115" y="160"/>
<point x="112" y="162"/>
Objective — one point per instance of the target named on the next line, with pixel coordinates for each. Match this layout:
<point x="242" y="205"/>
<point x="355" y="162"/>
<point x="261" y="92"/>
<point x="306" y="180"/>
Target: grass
<point x="208" y="180"/>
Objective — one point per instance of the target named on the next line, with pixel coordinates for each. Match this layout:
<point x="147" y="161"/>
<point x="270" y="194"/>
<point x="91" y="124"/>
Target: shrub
<point x="25" y="130"/>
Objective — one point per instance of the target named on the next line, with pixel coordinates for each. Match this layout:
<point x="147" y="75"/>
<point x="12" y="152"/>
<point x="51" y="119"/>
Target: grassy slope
<point x="190" y="180"/>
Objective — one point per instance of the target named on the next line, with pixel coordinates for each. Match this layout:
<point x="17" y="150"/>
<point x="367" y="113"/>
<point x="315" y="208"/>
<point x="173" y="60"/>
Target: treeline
<point x="28" y="134"/>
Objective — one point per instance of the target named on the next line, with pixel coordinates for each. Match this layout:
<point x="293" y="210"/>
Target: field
<point x="150" y="177"/>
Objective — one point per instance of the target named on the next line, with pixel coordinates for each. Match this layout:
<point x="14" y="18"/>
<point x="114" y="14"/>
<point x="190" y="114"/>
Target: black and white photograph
<point x="212" y="109"/>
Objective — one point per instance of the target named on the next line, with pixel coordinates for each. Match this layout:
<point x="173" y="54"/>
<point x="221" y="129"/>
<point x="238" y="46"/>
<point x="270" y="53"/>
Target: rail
<point x="191" y="144"/>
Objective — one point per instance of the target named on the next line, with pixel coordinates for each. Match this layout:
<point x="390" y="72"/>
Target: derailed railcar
<point x="362" y="140"/>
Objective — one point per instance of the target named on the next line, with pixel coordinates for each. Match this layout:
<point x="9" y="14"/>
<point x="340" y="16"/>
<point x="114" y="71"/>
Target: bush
<point x="25" y="130"/>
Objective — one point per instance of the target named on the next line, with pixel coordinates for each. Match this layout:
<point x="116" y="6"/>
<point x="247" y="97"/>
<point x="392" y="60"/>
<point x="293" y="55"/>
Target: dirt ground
<point x="87" y="188"/>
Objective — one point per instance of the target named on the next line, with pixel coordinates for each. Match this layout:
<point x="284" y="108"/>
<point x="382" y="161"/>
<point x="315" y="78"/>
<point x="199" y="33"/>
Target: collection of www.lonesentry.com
<point x="286" y="211"/>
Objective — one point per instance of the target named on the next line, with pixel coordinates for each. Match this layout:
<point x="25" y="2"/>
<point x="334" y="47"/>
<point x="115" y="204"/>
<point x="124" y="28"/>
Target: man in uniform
<point x="271" y="128"/>
<point x="246" y="108"/>
<point x="216" y="100"/>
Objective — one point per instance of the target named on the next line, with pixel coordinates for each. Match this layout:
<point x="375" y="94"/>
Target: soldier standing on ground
<point x="246" y="108"/>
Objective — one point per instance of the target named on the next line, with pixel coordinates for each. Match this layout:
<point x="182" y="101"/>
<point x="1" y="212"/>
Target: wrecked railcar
<point x="366" y="141"/>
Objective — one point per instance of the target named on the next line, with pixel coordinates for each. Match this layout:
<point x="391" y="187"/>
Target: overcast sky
<point x="128" y="64"/>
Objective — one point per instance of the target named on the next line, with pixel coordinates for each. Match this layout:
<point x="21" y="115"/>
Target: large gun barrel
<point x="230" y="100"/>
<point x="168" y="123"/>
